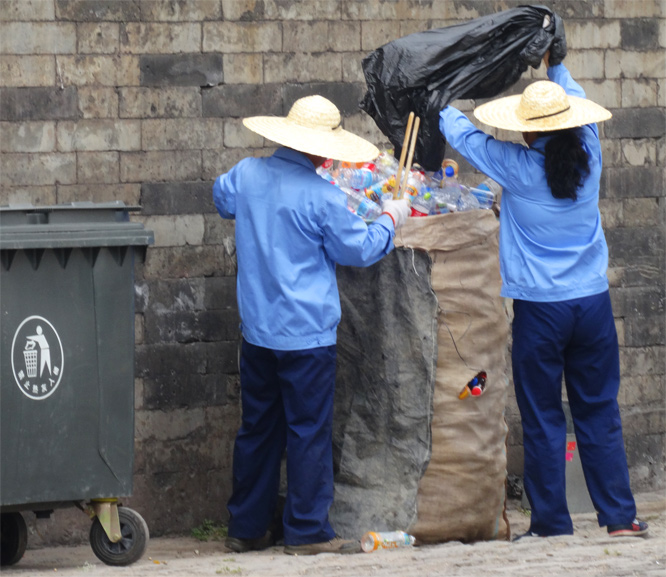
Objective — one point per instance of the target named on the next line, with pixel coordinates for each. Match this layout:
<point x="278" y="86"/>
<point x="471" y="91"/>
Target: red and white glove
<point x="398" y="210"/>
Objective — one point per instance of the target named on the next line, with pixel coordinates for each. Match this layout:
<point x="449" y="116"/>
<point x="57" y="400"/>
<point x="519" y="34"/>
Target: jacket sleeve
<point x="560" y="75"/>
<point x="482" y="151"/>
<point x="224" y="194"/>
<point x="349" y="241"/>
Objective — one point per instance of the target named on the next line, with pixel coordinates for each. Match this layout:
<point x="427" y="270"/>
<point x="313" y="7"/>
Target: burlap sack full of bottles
<point x="409" y="453"/>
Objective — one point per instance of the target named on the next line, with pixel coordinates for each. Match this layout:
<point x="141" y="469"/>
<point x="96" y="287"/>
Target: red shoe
<point x="634" y="528"/>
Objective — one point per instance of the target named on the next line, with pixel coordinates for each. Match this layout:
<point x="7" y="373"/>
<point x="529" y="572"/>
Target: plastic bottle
<point x="475" y="387"/>
<point x="491" y="185"/>
<point x="466" y="200"/>
<point x="326" y="175"/>
<point x="373" y="540"/>
<point x="379" y="191"/>
<point x="386" y="164"/>
<point x="414" y="186"/>
<point x="439" y="175"/>
<point x="357" y="178"/>
<point x="487" y="192"/>
<point x="422" y="204"/>
<point x="449" y="192"/>
<point x="362" y="206"/>
<point x="450" y="182"/>
<point x="440" y="205"/>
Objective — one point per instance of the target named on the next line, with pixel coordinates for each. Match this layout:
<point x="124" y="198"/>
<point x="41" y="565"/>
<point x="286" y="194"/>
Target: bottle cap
<point x="449" y="171"/>
<point x="450" y="162"/>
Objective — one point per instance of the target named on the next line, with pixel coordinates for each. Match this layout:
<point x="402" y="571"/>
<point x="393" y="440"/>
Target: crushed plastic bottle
<point x="374" y="540"/>
<point x="466" y="200"/>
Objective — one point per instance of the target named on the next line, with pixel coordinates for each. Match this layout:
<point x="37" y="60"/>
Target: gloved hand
<point x="398" y="210"/>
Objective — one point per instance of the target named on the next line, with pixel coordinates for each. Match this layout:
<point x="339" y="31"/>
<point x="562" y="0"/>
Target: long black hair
<point x="567" y="164"/>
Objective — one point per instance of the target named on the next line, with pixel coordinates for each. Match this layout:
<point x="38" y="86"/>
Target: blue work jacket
<point x="292" y="227"/>
<point x="550" y="249"/>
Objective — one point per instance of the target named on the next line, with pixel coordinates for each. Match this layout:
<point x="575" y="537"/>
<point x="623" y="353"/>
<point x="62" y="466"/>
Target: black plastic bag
<point x="424" y="71"/>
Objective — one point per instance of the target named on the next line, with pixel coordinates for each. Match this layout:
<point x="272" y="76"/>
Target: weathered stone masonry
<point x="142" y="100"/>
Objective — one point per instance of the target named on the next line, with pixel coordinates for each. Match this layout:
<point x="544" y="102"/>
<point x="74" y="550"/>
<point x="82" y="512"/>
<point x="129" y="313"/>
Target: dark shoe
<point x="634" y="528"/>
<point x="244" y="545"/>
<point x="335" y="545"/>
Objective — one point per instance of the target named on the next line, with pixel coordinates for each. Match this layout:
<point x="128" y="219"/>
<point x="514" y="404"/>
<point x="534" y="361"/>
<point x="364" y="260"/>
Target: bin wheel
<point x="132" y="544"/>
<point x="13" y="538"/>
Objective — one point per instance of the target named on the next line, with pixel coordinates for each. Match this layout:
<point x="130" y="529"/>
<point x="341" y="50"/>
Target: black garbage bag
<point x="424" y="71"/>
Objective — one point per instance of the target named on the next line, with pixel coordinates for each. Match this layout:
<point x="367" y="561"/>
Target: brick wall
<point x="142" y="101"/>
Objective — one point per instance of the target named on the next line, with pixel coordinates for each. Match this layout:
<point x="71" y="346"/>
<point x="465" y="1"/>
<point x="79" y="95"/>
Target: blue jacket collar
<point x="292" y="155"/>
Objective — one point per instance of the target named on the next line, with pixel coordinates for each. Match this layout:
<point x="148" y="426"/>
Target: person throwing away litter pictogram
<point x="39" y="340"/>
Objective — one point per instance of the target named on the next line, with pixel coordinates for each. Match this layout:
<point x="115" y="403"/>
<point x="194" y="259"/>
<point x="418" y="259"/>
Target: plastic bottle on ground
<point x="374" y="540"/>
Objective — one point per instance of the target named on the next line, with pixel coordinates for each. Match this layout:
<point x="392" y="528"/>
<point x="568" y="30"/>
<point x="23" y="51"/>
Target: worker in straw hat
<point x="292" y="227"/>
<point x="553" y="261"/>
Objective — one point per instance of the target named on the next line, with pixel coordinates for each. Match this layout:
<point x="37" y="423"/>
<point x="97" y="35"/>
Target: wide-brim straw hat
<point x="314" y="125"/>
<point x="543" y="106"/>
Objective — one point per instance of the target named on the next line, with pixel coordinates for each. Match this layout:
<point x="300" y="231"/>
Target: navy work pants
<point x="287" y="399"/>
<point x="577" y="337"/>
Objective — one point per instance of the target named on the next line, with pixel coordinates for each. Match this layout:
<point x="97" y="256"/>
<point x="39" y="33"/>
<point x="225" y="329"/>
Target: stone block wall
<point x="142" y="101"/>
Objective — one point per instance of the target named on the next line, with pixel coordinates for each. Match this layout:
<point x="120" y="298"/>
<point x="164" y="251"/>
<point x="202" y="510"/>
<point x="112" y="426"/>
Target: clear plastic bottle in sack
<point x="449" y="192"/>
<point x="440" y="204"/>
<point x="414" y="186"/>
<point x="374" y="540"/>
<point x="466" y="200"/>
<point x="386" y="164"/>
<point x="487" y="192"/>
<point x="361" y="205"/>
<point x="326" y="175"/>
<point x="357" y="178"/>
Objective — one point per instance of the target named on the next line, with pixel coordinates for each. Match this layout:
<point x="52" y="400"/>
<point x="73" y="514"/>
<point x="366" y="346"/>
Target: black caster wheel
<point x="13" y="538"/>
<point x="132" y="544"/>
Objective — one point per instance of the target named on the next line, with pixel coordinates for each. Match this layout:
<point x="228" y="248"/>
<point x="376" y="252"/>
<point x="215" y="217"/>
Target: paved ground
<point x="588" y="553"/>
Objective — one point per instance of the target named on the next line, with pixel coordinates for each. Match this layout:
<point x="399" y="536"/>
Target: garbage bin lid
<point x="77" y="224"/>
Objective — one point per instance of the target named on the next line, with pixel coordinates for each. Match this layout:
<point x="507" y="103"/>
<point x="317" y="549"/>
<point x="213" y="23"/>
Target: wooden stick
<point x="408" y="166"/>
<point x="403" y="153"/>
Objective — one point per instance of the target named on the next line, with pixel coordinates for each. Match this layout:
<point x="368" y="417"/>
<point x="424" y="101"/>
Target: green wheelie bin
<point x="67" y="371"/>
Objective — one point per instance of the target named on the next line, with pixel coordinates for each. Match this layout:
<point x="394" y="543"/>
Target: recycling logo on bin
<point x="37" y="358"/>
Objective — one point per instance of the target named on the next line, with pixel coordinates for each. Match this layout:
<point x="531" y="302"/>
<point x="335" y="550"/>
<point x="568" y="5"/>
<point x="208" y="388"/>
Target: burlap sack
<point x="416" y="327"/>
<point x="462" y="494"/>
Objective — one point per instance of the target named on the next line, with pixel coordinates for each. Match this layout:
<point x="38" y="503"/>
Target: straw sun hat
<point x="542" y="107"/>
<point x="314" y="125"/>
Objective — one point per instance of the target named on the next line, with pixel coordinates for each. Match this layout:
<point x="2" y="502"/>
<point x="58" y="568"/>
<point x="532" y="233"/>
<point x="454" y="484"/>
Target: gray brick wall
<point x="141" y="101"/>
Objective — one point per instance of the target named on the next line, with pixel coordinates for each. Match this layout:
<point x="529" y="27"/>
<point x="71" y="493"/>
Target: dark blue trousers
<point x="287" y="400"/>
<point x="578" y="338"/>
